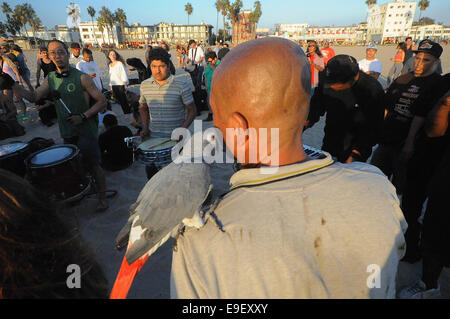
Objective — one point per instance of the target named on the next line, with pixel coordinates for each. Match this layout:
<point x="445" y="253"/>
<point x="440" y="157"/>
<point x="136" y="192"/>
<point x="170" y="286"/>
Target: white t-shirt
<point x="195" y="54"/>
<point x="91" y="68"/>
<point x="118" y="74"/>
<point x="371" y="66"/>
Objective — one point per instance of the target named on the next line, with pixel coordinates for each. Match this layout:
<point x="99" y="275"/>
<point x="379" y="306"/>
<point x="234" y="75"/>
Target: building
<point x="60" y="32"/>
<point x="340" y="35"/>
<point x="390" y="22"/>
<point x="292" y="31"/>
<point x="243" y="29"/>
<point x="91" y="35"/>
<point x="170" y="33"/>
<point x="435" y="32"/>
<point x="262" y="32"/>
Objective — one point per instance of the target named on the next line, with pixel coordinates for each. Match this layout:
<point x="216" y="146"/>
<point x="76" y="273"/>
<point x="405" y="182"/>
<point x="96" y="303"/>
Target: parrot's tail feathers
<point x="125" y="278"/>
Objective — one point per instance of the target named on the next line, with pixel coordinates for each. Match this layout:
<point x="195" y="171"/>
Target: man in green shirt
<point x="213" y="62"/>
<point x="78" y="123"/>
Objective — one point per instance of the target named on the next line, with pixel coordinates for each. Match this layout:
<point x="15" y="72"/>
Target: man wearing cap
<point x="408" y="65"/>
<point x="304" y="228"/>
<point x="370" y="65"/>
<point x="75" y="57"/>
<point x="406" y="110"/>
<point x="353" y="102"/>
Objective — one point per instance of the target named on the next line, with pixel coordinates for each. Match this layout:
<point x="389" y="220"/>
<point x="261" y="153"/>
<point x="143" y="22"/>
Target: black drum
<point x="58" y="171"/>
<point x="12" y="157"/>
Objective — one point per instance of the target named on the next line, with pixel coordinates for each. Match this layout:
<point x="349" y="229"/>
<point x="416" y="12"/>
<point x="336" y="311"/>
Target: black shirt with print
<point x="401" y="103"/>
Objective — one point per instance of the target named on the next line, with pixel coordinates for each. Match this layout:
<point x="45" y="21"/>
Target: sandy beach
<point x="100" y="229"/>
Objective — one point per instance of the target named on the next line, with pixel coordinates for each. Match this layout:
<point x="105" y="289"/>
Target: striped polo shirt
<point x="167" y="104"/>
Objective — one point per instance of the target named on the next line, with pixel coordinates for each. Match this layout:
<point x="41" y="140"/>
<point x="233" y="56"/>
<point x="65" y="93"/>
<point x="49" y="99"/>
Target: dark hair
<point x="36" y="247"/>
<point x="402" y="46"/>
<point x="6" y="46"/>
<point x="190" y="42"/>
<point x="87" y="51"/>
<point x="408" y="38"/>
<point x="110" y="120"/>
<point x="318" y="52"/>
<point x="210" y="55"/>
<point x="118" y="57"/>
<point x="60" y="42"/>
<point x="222" y="53"/>
<point x="159" y="54"/>
<point x="15" y="47"/>
<point x="43" y="49"/>
<point x="75" y="45"/>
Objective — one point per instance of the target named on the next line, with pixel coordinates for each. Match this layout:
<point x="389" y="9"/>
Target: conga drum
<point x="12" y="157"/>
<point x="58" y="171"/>
<point x="155" y="151"/>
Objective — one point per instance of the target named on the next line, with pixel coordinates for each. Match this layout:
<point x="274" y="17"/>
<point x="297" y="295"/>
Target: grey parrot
<point x="172" y="199"/>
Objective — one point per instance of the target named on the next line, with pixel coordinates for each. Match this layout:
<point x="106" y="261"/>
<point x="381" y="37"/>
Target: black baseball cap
<point x="430" y="47"/>
<point x="341" y="69"/>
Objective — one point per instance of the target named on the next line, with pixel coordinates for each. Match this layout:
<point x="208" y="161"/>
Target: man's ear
<point x="237" y="138"/>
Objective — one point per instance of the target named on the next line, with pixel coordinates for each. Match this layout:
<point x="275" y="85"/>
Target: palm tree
<point x="423" y="5"/>
<point x="234" y="10"/>
<point x="101" y="24"/>
<point x="108" y="18"/>
<point x="6" y="9"/>
<point x="91" y="11"/>
<point x="21" y="15"/>
<point x="121" y="18"/>
<point x="224" y="4"/>
<point x="188" y="8"/>
<point x="35" y="23"/>
<point x="254" y="17"/>
<point x="218" y="8"/>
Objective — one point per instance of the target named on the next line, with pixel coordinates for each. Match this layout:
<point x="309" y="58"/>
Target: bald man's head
<point x="267" y="81"/>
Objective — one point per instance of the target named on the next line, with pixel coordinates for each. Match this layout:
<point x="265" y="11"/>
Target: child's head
<point x="87" y="55"/>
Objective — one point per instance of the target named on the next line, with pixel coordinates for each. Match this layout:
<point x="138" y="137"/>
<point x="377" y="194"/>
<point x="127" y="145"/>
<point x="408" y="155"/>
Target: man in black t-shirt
<point x="404" y="118"/>
<point x="353" y="102"/>
<point x="114" y="151"/>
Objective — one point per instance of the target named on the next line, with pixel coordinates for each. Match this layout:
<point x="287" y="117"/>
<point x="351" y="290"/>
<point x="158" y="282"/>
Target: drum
<point x="12" y="157"/>
<point x="157" y="151"/>
<point x="58" y="171"/>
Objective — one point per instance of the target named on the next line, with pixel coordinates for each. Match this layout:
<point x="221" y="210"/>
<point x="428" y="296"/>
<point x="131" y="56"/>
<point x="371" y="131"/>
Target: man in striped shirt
<point x="164" y="101"/>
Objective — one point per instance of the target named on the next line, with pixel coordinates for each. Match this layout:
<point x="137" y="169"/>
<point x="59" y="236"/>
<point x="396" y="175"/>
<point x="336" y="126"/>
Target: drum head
<point x="51" y="155"/>
<point x="157" y="144"/>
<point x="11" y="148"/>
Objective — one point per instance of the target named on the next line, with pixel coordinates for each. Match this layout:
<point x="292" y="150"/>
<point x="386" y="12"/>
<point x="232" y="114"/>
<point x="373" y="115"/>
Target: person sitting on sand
<point x="302" y="227"/>
<point x="114" y="151"/>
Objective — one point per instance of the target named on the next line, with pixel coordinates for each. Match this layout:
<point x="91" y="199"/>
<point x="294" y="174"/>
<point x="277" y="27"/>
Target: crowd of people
<point x="292" y="241"/>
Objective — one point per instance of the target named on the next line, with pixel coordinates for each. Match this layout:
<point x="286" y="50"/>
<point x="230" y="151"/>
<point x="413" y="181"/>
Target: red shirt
<point x="328" y="54"/>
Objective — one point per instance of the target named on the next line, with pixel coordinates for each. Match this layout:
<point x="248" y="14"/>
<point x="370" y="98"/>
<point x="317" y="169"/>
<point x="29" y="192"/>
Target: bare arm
<point x="14" y="68"/>
<point x="38" y="94"/>
<point x="145" y="118"/>
<point x="100" y="101"/>
<point x="38" y="72"/>
<point x="190" y="116"/>
<point x="437" y="121"/>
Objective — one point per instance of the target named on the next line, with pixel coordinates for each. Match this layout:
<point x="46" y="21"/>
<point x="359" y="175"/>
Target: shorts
<point x="89" y="149"/>
<point x="6" y="82"/>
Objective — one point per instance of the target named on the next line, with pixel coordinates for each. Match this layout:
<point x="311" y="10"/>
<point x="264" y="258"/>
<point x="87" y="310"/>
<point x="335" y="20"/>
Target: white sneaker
<point x="419" y="291"/>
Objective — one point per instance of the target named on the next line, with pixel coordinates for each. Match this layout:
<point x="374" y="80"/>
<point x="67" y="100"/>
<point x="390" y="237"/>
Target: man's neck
<point x="370" y="59"/>
<point x="64" y="69"/>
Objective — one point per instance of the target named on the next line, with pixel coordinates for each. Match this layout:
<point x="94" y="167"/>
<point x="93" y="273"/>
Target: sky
<point x="149" y="12"/>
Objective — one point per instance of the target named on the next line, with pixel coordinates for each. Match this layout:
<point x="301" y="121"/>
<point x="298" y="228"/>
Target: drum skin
<point x="155" y="151"/>
<point x="58" y="171"/>
<point x="12" y="157"/>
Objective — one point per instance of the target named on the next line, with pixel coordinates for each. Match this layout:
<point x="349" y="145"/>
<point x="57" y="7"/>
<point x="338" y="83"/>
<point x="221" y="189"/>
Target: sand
<point x="100" y="229"/>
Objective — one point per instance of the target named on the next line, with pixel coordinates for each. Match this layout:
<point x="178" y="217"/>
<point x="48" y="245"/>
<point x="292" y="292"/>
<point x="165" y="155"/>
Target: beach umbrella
<point x="172" y="199"/>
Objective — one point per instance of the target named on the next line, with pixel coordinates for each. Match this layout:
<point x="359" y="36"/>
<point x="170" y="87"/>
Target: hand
<point x="406" y="152"/>
<point x="54" y="95"/>
<point x="145" y="134"/>
<point x="349" y="160"/>
<point x="75" y="119"/>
